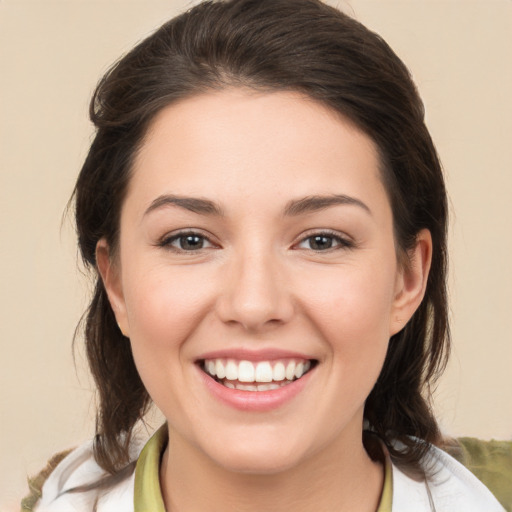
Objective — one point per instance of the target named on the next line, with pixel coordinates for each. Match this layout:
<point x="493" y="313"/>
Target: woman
<point x="266" y="216"/>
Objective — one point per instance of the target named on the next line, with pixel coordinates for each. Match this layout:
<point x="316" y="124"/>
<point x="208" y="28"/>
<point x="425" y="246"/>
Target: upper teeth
<point x="262" y="371"/>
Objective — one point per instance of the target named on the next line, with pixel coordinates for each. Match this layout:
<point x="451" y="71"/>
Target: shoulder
<point x="490" y="461"/>
<point x="35" y="483"/>
<point x="79" y="469"/>
<point x="451" y="488"/>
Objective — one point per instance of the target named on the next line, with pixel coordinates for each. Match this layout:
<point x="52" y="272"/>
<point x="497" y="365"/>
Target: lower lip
<point x="255" y="401"/>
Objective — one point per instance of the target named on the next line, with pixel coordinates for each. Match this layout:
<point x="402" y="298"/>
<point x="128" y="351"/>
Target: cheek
<point x="164" y="307"/>
<point x="352" y="312"/>
<point x="354" y="302"/>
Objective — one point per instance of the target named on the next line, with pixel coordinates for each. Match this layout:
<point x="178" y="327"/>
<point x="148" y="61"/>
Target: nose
<point x="255" y="292"/>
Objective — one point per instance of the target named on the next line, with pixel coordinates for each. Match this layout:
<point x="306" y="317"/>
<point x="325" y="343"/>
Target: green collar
<point x="386" y="499"/>
<point x="148" y="495"/>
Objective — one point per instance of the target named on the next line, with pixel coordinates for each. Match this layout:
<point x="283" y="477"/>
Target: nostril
<point x="255" y="295"/>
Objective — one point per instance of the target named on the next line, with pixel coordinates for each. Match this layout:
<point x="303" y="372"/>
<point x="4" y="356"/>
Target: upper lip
<point x="268" y="354"/>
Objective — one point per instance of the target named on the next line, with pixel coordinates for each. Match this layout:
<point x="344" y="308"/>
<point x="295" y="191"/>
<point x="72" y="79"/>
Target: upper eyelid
<point x="186" y="231"/>
<point x="166" y="239"/>
<point x="345" y="240"/>
<point x="328" y="232"/>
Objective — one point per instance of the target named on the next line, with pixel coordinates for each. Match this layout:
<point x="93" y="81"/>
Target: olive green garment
<point x="490" y="462"/>
<point x="148" y="495"/>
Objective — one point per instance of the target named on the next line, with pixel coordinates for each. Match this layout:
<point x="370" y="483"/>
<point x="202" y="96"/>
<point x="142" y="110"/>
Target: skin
<point x="258" y="283"/>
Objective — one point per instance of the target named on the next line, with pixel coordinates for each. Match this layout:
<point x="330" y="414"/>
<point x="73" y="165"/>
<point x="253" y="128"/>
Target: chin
<point x="258" y="465"/>
<point x="256" y="458"/>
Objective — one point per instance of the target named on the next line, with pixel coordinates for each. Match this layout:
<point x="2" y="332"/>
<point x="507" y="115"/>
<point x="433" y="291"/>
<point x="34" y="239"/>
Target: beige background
<point x="53" y="52"/>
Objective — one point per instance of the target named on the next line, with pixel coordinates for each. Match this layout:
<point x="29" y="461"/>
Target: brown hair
<point x="299" y="45"/>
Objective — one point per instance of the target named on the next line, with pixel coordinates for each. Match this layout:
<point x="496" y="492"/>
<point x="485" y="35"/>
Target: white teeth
<point x="263" y="372"/>
<point x="247" y="387"/>
<point x="245" y="371"/>
<point x="254" y="387"/>
<point x="274" y="386"/>
<point x="279" y="372"/>
<point x="231" y="370"/>
<point x="260" y="372"/>
<point x="290" y="370"/>
<point x="299" y="370"/>
<point x="220" y="371"/>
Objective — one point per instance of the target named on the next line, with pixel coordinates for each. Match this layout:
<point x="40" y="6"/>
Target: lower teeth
<point x="255" y="387"/>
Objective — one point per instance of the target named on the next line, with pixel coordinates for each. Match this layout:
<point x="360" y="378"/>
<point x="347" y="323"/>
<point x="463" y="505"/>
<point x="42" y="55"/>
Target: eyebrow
<point x="193" y="204"/>
<point x="293" y="208"/>
<point x="311" y="204"/>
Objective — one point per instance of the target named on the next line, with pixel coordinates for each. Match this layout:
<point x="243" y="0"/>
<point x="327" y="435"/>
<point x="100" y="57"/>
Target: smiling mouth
<point x="256" y="376"/>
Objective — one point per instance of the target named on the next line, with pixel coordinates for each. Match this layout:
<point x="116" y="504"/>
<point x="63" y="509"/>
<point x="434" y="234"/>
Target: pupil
<point x="191" y="242"/>
<point x="321" y="242"/>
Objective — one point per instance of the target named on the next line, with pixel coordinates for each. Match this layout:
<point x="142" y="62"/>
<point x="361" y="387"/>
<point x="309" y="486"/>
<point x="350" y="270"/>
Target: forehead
<point x="239" y="143"/>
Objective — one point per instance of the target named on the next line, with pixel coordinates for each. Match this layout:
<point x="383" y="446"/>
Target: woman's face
<point x="256" y="242"/>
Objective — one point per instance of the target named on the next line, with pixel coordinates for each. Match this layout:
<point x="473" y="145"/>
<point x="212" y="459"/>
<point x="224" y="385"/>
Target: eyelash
<point x="340" y="241"/>
<point x="167" y="241"/>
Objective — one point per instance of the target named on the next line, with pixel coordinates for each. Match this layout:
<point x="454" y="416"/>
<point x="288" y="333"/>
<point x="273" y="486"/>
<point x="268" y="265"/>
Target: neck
<point x="341" y="478"/>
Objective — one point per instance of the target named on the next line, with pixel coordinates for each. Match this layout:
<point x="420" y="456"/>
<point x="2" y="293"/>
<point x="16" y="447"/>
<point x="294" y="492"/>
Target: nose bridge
<point x="256" y="293"/>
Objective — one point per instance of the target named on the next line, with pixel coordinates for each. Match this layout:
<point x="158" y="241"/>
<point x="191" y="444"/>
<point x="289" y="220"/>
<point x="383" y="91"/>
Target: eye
<point x="324" y="242"/>
<point x="186" y="242"/>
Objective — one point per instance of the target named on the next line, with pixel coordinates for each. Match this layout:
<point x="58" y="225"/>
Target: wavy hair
<point x="270" y="45"/>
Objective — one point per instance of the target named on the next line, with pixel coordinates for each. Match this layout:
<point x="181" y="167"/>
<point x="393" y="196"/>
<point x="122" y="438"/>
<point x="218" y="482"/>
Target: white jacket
<point x="453" y="488"/>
